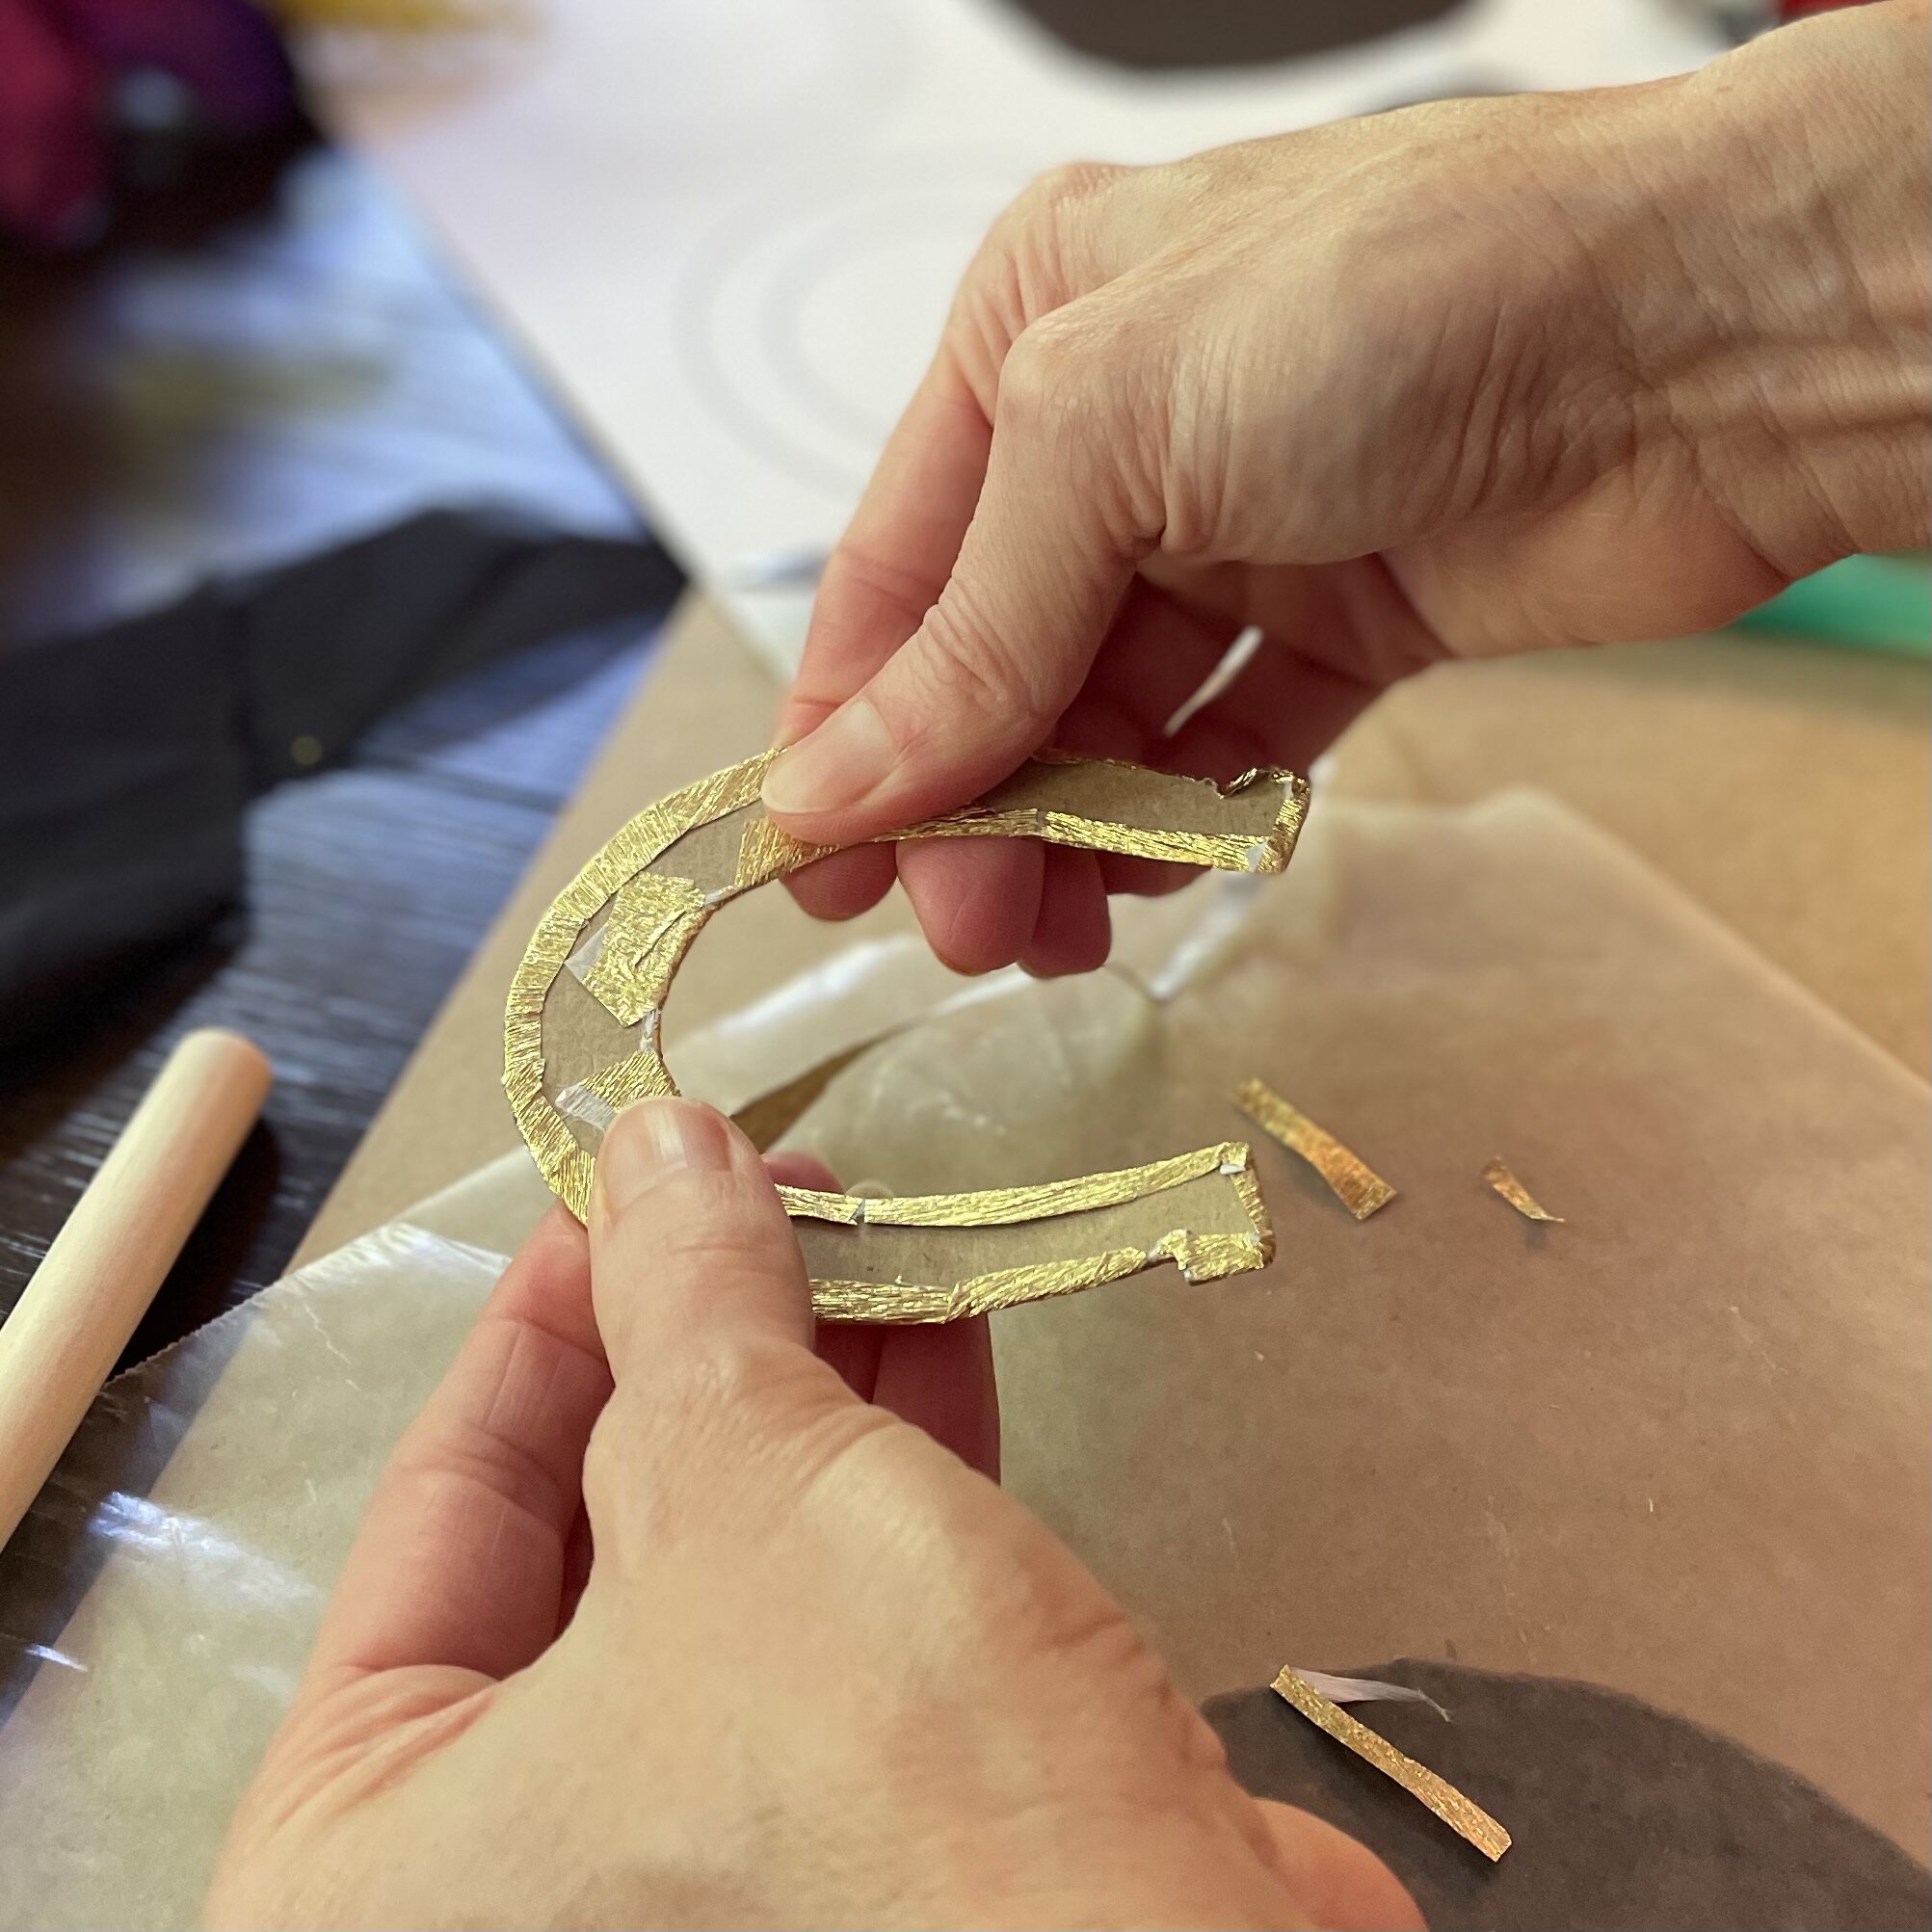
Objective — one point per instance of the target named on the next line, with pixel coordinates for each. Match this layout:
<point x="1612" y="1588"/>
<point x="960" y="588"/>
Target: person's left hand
<point x="660" y="1617"/>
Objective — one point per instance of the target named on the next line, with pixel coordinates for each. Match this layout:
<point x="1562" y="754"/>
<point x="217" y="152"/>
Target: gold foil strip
<point x="768" y="852"/>
<point x="638" y="1079"/>
<point x="403" y="17"/>
<point x="652" y="921"/>
<point x="1463" y="1815"/>
<point x="1350" y="1178"/>
<point x="1002" y="1207"/>
<point x="654" y="915"/>
<point x="1518" y="1197"/>
<point x="1268" y="849"/>
<point x="1198" y="1257"/>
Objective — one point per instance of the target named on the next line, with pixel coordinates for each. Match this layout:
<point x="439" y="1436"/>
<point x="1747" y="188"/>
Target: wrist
<point x="1775" y="298"/>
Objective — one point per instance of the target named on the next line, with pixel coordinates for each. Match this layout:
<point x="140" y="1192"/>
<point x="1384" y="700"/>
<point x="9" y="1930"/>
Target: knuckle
<point x="1038" y="254"/>
<point x="1066" y="188"/>
<point x="1087" y="394"/>
<point x="1036" y="221"/>
<point x="700" y="1217"/>
<point x="1047" y="378"/>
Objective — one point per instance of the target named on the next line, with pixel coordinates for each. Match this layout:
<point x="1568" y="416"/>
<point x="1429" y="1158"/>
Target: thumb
<point x="1058" y="529"/>
<point x="689" y="1241"/>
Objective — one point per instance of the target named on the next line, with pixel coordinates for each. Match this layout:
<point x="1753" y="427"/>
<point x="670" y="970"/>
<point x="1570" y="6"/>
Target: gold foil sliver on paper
<point x="1518" y="1197"/>
<point x="1350" y="1178"/>
<point x="582" y="1028"/>
<point x="1463" y="1815"/>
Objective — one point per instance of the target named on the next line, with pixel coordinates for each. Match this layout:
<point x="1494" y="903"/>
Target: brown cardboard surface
<point x="1782" y="787"/>
<point x="1675" y="1450"/>
<point x="1677" y="1447"/>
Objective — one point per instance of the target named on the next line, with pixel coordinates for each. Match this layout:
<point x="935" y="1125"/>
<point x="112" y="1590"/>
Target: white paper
<point x="730" y="230"/>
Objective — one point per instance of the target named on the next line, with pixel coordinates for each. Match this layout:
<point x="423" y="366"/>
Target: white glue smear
<point x="1234" y="661"/>
<point x="1367" y="1690"/>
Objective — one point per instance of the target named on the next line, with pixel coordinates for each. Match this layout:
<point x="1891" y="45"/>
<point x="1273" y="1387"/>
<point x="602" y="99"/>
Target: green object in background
<point x="1865" y="603"/>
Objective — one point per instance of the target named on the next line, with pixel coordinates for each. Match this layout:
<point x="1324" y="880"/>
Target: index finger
<point x="878" y="583"/>
<point x="899" y="549"/>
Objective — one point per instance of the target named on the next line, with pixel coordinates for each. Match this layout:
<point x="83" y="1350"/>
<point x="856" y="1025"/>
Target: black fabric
<point x="127" y="757"/>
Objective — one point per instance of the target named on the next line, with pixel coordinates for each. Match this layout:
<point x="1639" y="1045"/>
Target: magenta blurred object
<point x="60" y="61"/>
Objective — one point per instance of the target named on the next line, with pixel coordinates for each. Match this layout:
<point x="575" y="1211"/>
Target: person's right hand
<point x="1465" y="379"/>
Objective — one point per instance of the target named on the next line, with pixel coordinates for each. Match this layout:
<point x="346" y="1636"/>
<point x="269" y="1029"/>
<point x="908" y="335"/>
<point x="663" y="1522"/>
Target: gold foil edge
<point x="1004" y="1207"/>
<point x="767" y="851"/>
<point x="1350" y="1178"/>
<point x="1518" y="1197"/>
<point x="1222" y="851"/>
<point x="1463" y="1815"/>
<point x="1198" y="1257"/>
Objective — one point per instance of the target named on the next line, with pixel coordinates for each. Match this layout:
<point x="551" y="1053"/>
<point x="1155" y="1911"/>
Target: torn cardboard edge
<point x="650" y="889"/>
<point x="1350" y="1178"/>
<point x="1463" y="1815"/>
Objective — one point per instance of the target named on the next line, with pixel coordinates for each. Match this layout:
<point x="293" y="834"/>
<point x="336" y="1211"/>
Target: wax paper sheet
<point x="1675" y="1448"/>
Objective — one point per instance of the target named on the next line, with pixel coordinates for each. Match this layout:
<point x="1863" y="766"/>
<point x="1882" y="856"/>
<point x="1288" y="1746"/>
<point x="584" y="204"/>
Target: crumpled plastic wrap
<point x="1676" y="1447"/>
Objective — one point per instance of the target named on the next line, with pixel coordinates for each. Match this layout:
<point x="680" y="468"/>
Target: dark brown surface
<point x="267" y="372"/>
<point x="1159" y="35"/>
<point x="1620" y="1814"/>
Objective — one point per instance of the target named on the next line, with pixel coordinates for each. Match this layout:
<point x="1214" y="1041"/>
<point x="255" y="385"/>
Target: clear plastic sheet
<point x="158" y="1603"/>
<point x="157" y="1606"/>
<point x="1676" y="1447"/>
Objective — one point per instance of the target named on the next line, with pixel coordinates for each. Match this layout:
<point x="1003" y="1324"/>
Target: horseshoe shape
<point x="582" y="1037"/>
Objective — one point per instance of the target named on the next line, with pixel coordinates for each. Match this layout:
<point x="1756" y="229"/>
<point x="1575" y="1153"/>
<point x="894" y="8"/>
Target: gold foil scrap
<point x="653" y="920"/>
<point x="1350" y="1178"/>
<point x="1518" y="1197"/>
<point x="1466" y="1818"/>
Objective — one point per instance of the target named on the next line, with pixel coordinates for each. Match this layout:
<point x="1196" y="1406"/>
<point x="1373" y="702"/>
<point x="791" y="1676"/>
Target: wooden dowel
<point x="94" y="1283"/>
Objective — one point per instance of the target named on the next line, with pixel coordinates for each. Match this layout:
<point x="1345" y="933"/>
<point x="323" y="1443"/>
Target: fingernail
<point x="650" y="1141"/>
<point x="849" y="755"/>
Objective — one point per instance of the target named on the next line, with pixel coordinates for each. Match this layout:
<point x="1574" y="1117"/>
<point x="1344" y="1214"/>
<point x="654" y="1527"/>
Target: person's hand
<point x="657" y="1618"/>
<point x="1465" y="379"/>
